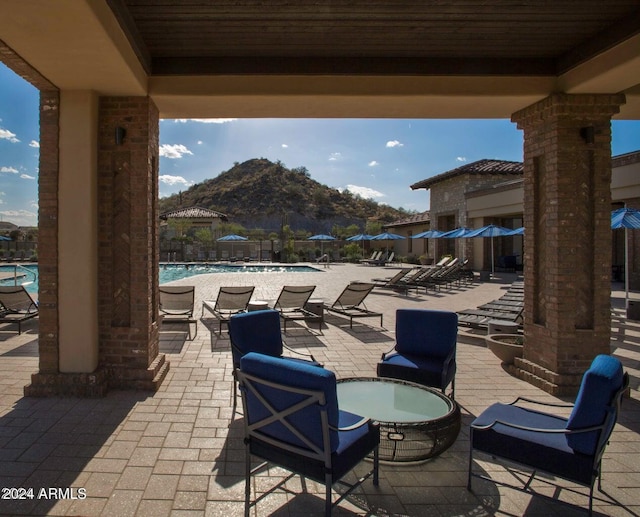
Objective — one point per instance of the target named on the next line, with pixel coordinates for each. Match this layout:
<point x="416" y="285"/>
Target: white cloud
<point x="27" y="177"/>
<point x="373" y="163"/>
<point x="461" y="159"/>
<point x="174" y="180"/>
<point x="285" y="146"/>
<point x="12" y="170"/>
<point x="20" y="217"/>
<point x="205" y="120"/>
<point x="364" y="192"/>
<point x="200" y="142"/>
<point x="394" y="143"/>
<point x="34" y="143"/>
<point x="174" y="151"/>
<point x="334" y="157"/>
<point x="5" y="134"/>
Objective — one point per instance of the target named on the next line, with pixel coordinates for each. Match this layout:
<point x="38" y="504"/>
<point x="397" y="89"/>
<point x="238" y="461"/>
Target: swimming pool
<point x="28" y="273"/>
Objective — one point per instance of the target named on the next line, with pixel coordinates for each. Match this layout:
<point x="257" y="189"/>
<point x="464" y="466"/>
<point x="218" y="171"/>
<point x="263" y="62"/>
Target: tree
<point x="205" y="237"/>
<point x="373" y="227"/>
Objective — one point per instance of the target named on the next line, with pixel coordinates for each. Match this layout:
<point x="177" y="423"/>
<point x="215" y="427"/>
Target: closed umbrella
<point x="321" y="237"/>
<point x="232" y="238"/>
<point x="627" y="218"/>
<point x="491" y="231"/>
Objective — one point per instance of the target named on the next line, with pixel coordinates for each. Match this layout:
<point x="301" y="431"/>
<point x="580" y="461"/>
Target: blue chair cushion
<point x="545" y="451"/>
<point x="426" y="332"/>
<point x="297" y="374"/>
<point x="600" y="383"/>
<point x="420" y="369"/>
<point x="257" y="331"/>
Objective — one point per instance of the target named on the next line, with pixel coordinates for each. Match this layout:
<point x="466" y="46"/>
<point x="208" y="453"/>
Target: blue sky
<point x="376" y="158"/>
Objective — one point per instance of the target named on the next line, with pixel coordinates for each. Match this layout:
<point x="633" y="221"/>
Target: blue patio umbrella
<point x="456" y="233"/>
<point x="517" y="231"/>
<point x="429" y="234"/>
<point x="3" y="238"/>
<point x="491" y="231"/>
<point x="386" y="236"/>
<point x="361" y="237"/>
<point x="321" y="237"/>
<point x="232" y="238"/>
<point x="627" y="218"/>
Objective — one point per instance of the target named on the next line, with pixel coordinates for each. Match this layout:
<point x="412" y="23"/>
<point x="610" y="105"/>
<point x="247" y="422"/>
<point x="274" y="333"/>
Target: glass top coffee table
<point x="416" y="422"/>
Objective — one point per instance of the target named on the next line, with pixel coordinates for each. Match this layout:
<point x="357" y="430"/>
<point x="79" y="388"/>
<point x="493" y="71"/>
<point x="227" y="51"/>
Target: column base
<point x="98" y="383"/>
<point x="553" y="383"/>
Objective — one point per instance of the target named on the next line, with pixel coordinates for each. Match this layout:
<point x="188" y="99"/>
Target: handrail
<point x="15" y="272"/>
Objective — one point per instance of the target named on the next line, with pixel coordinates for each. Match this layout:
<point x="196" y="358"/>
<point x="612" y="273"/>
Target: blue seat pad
<point x="352" y="447"/>
<point x="419" y="369"/>
<point x="545" y="451"/>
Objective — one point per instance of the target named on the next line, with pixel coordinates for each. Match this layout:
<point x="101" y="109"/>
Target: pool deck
<point x="179" y="451"/>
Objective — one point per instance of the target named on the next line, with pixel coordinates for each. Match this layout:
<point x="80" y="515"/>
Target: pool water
<point x="28" y="273"/>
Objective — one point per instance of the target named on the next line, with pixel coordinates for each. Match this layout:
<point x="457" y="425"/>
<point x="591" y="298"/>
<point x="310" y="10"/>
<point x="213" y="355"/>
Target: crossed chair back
<point x="291" y="418"/>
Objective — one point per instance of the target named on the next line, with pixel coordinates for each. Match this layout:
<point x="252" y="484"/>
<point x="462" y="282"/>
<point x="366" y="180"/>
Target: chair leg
<point x="247" y="481"/>
<point x="327" y="495"/>
<point x="470" y="460"/>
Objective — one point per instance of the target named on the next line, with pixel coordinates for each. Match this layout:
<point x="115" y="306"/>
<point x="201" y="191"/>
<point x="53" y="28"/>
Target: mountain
<point x="261" y="194"/>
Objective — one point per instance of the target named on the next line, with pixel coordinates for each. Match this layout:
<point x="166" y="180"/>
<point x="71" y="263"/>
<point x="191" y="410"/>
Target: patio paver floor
<point x="179" y="451"/>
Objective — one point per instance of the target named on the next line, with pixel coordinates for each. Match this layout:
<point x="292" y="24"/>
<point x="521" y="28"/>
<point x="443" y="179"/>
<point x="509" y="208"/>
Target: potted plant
<point x="505" y="346"/>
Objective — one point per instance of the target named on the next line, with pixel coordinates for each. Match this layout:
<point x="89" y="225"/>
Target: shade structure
<point x="232" y="238"/>
<point x="361" y="237"/>
<point x="321" y="237"/>
<point x="629" y="219"/>
<point x="491" y="231"/>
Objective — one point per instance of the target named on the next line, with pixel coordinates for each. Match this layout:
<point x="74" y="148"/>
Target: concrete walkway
<point x="179" y="451"/>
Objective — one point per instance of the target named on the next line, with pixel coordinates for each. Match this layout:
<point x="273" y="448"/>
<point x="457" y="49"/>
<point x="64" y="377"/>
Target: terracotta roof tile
<point x="479" y="167"/>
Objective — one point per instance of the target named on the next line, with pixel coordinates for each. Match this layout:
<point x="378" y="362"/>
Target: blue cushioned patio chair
<point x="570" y="448"/>
<point x="292" y="419"/>
<point x="425" y="350"/>
<point x="259" y="331"/>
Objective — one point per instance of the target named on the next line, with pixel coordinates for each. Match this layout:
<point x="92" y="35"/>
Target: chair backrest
<point x="15" y="298"/>
<point x="444" y="260"/>
<point x="596" y="404"/>
<point x="234" y="298"/>
<point x="390" y="259"/>
<point x="353" y="295"/>
<point x="426" y="332"/>
<point x="257" y="331"/>
<point x="294" y="296"/>
<point x="400" y="274"/>
<point x="177" y="299"/>
<point x="290" y="402"/>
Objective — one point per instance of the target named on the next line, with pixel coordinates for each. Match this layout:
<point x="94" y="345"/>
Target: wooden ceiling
<point x="420" y="37"/>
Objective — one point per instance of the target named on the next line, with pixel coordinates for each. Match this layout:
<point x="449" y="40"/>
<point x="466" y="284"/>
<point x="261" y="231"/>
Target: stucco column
<point x="567" y="257"/>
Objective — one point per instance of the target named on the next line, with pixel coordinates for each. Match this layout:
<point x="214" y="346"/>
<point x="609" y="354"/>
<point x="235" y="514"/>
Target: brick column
<point x="567" y="211"/>
<point x="128" y="242"/>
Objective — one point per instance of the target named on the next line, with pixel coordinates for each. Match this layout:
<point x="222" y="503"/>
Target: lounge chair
<point x="16" y="305"/>
<point x="569" y="448"/>
<point x="230" y="301"/>
<point x="402" y="282"/>
<point x="176" y="305"/>
<point x="390" y="280"/>
<point x="292" y="419"/>
<point x="291" y="304"/>
<point x="350" y="303"/>
<point x="375" y="257"/>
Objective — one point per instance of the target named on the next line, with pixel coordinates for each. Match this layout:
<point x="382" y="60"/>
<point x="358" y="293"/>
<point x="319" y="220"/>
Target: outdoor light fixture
<point x="120" y="134"/>
<point x="588" y="134"/>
